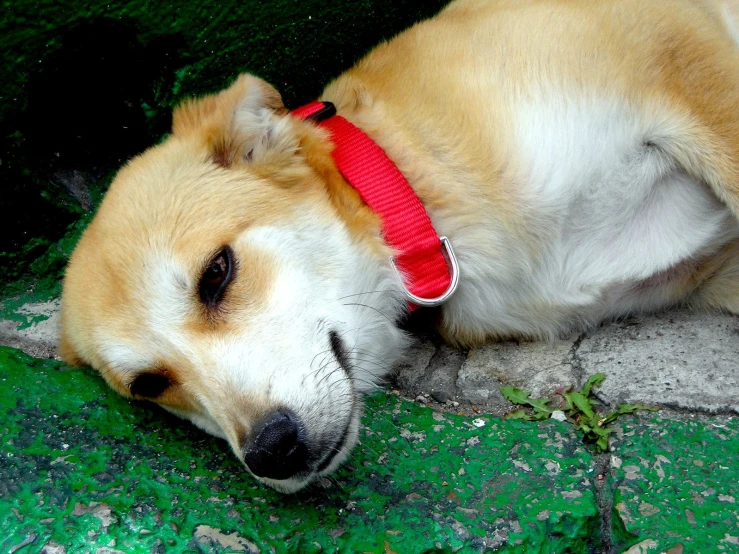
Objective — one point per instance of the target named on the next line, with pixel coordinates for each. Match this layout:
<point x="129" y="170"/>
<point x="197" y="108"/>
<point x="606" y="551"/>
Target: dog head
<point x="231" y="276"/>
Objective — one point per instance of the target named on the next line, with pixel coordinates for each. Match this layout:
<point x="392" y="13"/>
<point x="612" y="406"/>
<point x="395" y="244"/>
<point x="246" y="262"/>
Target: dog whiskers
<point x="370" y="308"/>
<point x="363" y="293"/>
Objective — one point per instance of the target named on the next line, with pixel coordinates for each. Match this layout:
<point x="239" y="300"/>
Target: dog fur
<point x="582" y="156"/>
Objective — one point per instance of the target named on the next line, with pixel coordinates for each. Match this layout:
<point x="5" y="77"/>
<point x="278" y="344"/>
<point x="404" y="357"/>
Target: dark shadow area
<point x="82" y="92"/>
<point x="98" y="99"/>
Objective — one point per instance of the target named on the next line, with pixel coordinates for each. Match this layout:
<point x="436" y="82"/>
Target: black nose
<point x="278" y="450"/>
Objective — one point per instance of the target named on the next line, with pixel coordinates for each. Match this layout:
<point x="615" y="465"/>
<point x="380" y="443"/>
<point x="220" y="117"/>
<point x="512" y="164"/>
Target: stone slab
<point x="683" y="360"/>
<point x="538" y="367"/>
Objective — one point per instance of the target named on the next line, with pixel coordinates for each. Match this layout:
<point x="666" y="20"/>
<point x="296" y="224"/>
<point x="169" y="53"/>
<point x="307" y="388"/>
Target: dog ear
<point x="246" y="123"/>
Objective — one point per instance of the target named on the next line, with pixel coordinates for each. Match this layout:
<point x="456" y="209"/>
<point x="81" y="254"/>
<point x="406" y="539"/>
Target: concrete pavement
<point x="437" y="470"/>
<point x="679" y="360"/>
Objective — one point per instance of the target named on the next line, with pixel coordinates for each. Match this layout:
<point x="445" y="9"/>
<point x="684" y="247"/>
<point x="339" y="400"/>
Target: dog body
<point x="582" y="157"/>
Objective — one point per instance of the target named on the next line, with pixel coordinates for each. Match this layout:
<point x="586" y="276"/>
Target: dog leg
<point x="702" y="131"/>
<point x="702" y="136"/>
<point x="718" y="281"/>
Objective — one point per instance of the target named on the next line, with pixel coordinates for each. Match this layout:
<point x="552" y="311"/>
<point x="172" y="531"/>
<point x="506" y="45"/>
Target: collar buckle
<point x="328" y="110"/>
<point x="454" y="273"/>
<point x="406" y="226"/>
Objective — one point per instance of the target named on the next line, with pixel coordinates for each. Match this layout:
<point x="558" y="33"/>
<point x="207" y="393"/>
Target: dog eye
<point x="149" y="385"/>
<point x="216" y="277"/>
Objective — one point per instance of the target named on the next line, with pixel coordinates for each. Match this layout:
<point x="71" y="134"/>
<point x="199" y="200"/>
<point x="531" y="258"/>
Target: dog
<point x="580" y="157"/>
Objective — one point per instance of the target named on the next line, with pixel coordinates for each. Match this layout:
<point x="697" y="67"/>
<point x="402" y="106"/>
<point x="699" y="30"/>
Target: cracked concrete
<point x="681" y="360"/>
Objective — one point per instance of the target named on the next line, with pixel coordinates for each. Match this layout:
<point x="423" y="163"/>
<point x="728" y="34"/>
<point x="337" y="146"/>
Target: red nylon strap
<point x="405" y="224"/>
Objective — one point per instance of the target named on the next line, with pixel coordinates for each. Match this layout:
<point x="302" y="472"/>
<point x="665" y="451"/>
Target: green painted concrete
<point x="85" y="469"/>
<point x="677" y="484"/>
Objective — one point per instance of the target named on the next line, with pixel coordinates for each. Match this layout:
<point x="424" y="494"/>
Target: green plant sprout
<point x="574" y="407"/>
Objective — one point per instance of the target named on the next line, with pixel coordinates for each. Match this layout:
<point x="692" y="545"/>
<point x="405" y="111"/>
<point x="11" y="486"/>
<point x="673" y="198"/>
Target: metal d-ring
<point x="439" y="300"/>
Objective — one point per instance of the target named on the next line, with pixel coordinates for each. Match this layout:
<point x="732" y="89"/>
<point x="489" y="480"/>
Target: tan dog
<point x="582" y="156"/>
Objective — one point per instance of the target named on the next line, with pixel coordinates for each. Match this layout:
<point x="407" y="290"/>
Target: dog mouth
<point x="329" y="454"/>
<point x="342" y="357"/>
<point x="333" y="457"/>
<point x="340" y="353"/>
<point x="338" y="446"/>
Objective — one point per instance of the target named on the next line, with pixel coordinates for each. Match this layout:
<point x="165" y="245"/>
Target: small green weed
<point x="574" y="407"/>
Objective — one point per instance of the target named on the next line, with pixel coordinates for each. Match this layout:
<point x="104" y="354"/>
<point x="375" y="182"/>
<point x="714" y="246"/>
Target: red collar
<point x="429" y="279"/>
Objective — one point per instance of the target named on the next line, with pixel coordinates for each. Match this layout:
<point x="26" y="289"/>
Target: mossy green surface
<point x="676" y="483"/>
<point x="42" y="281"/>
<point x="86" y="469"/>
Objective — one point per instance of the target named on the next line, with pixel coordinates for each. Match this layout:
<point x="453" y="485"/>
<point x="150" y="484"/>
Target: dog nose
<point x="278" y="450"/>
